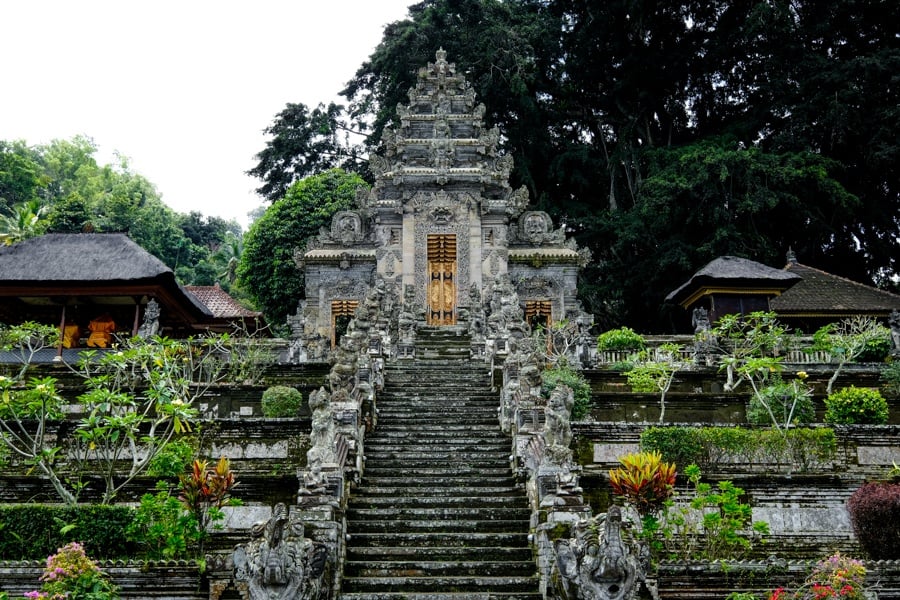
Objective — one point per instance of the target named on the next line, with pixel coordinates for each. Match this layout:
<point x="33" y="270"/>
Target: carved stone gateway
<point x="441" y="222"/>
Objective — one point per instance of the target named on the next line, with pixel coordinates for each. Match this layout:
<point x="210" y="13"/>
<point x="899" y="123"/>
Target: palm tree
<point x="24" y="221"/>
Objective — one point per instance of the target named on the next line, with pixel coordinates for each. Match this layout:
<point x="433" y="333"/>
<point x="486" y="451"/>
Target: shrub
<point x="550" y="378"/>
<point x="800" y="448"/>
<point x="680" y="445"/>
<point x="890" y="375"/>
<point x="173" y="459"/>
<point x="876" y="350"/>
<point x="834" y="577"/>
<point x="70" y="573"/>
<point x="623" y="338"/>
<point x="873" y="512"/>
<point x="855" y="405"/>
<point x="644" y="481"/>
<point x="790" y="403"/>
<point x="281" y="401"/>
<point x="715" y="525"/>
<point x="162" y="527"/>
<point x="32" y="531"/>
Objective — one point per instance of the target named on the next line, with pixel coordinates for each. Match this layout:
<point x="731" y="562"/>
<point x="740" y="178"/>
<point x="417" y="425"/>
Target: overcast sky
<point x="183" y="88"/>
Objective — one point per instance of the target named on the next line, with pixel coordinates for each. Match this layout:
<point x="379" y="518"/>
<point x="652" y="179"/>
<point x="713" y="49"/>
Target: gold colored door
<point x="342" y="312"/>
<point x="441" y="279"/>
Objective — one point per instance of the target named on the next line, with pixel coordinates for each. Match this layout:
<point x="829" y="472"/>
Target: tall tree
<point x="21" y="175"/>
<point x="267" y="270"/>
<point x="303" y="142"/>
<point x="619" y="112"/>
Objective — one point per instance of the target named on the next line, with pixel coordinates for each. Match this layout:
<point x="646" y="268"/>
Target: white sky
<point x="183" y="88"/>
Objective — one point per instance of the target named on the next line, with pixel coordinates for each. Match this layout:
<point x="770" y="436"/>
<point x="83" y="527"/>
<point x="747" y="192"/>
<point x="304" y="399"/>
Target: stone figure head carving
<point x="535" y="226"/>
<point x="346" y="227"/>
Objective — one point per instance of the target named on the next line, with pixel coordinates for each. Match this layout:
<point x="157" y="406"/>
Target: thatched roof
<point x="83" y="257"/>
<point x="733" y="272"/>
<point x="92" y="267"/>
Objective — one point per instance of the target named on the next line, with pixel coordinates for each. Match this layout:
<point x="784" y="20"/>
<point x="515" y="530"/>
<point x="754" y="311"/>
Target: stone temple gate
<point x="441" y="224"/>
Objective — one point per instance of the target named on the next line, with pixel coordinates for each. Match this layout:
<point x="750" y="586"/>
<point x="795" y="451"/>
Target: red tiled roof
<point x="219" y="302"/>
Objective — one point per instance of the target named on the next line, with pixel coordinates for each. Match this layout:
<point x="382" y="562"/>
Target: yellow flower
<point x="802" y="375"/>
<point x="177" y="402"/>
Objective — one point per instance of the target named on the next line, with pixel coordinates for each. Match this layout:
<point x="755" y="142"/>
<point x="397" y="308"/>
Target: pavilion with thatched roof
<point x="73" y="279"/>
<point x="802" y="296"/>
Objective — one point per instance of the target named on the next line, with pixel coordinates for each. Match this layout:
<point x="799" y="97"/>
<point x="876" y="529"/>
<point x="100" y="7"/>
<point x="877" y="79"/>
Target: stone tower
<point x="441" y="222"/>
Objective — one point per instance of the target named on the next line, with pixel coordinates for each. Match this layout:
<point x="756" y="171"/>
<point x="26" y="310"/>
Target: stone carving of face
<point x="535" y="226"/>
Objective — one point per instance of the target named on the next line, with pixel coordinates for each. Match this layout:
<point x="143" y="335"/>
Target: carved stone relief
<point x="280" y="563"/>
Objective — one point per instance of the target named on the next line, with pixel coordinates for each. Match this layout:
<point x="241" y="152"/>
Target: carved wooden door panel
<point x="441" y="279"/>
<point x="342" y="312"/>
<point x="538" y="313"/>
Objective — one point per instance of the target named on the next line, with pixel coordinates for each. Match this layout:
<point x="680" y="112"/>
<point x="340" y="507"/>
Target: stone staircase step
<point x="371" y="554"/>
<point x="445" y="480"/>
<point x="438" y="514"/>
<point x="437" y="568"/>
<point x="442" y="490"/>
<point x="378" y="470"/>
<point x="509" y="501"/>
<point x="443" y="584"/>
<point x="439" y="539"/>
<point x="445" y="513"/>
<point x="440" y="526"/>
<point x="442" y="596"/>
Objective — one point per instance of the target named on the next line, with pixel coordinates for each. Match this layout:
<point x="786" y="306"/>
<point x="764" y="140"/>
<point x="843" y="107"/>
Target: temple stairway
<point x="437" y="514"/>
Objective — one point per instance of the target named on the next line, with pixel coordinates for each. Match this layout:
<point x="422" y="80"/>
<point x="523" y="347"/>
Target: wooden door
<point x="538" y="313"/>
<point x="441" y="279"/>
<point x="342" y="312"/>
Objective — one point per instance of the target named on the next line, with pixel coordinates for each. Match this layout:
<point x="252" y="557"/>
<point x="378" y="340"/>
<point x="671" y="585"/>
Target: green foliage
<point x="25" y="340"/>
<point x="856" y="406"/>
<point x="303" y="143"/>
<point x="654" y="371"/>
<point x="173" y="458"/>
<point x="644" y="481"/>
<point x="70" y="573"/>
<point x="20" y="174"/>
<point x="877" y="349"/>
<point x="38" y="400"/>
<point x="715" y="524"/>
<point x="162" y="527"/>
<point x="849" y="340"/>
<point x="794" y="449"/>
<point x="679" y="445"/>
<point x="281" y="401"/>
<point x="136" y="400"/>
<point x="782" y="403"/>
<point x="623" y="338"/>
<point x="248" y="354"/>
<point x="565" y="375"/>
<point x="267" y="269"/>
<point x="24" y="221"/>
<point x="750" y="345"/>
<point x="890" y="376"/>
<point x="32" y="531"/>
<point x="60" y="188"/>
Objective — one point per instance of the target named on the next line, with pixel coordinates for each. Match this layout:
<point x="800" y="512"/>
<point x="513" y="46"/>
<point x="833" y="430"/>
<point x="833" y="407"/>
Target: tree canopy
<point x="267" y="269"/>
<point x="669" y="133"/>
<point x="59" y="187"/>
